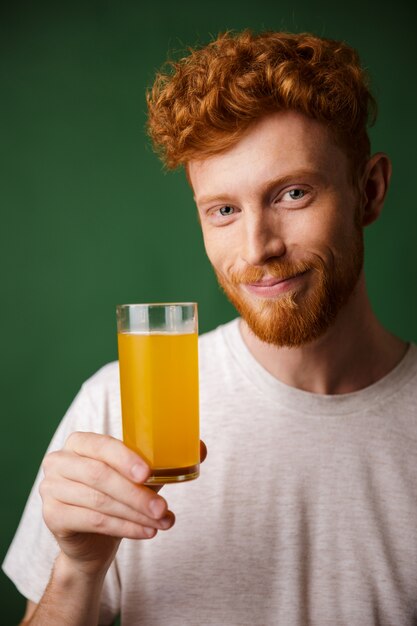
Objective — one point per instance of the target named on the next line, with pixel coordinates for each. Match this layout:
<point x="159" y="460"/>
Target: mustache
<point x="272" y="269"/>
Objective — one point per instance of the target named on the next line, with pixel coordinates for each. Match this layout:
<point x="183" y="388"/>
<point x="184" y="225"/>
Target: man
<point x="306" y="510"/>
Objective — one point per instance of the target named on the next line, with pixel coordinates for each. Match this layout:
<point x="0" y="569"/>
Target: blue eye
<point x="226" y="211"/>
<point x="296" y="194"/>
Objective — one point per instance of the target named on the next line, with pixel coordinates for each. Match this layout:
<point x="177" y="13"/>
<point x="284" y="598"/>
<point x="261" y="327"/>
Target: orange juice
<point x="159" y="394"/>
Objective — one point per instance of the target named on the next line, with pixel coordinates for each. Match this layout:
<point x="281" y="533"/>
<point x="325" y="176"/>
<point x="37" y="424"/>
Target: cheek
<point x="209" y="245"/>
<point x="334" y="229"/>
<point x="219" y="247"/>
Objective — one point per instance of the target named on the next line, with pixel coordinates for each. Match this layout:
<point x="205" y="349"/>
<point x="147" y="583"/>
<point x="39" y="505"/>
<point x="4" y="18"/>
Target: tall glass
<point x="158" y="362"/>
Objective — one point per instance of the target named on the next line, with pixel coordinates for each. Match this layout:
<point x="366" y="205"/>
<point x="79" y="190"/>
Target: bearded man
<point x="306" y="511"/>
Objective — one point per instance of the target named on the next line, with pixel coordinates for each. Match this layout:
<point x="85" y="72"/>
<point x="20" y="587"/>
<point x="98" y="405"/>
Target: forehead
<point x="275" y="146"/>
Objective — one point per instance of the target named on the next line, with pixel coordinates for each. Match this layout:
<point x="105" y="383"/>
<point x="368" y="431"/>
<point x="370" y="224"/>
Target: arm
<point x="30" y="609"/>
<point x="81" y="604"/>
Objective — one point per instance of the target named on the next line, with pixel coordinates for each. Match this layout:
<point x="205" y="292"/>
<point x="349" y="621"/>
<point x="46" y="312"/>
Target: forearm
<point x="70" y="599"/>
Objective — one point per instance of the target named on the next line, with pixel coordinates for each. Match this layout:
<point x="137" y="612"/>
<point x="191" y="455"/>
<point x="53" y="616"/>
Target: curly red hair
<point x="203" y="103"/>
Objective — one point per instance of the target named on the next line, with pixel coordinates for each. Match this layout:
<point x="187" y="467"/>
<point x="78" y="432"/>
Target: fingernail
<point x="166" y="522"/>
<point x="138" y="472"/>
<point x="157" y="507"/>
<point x="149" y="532"/>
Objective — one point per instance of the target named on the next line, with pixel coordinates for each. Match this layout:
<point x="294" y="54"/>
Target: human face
<point x="281" y="227"/>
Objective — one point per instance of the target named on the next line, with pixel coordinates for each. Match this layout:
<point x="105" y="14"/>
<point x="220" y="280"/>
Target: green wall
<point x="90" y="220"/>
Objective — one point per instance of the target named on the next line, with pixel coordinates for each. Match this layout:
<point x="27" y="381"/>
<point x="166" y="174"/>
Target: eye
<point x="296" y="194"/>
<point x="295" y="197"/>
<point x="226" y="210"/>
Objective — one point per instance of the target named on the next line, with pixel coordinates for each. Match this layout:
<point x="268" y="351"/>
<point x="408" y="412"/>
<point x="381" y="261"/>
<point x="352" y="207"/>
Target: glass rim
<point x="160" y="304"/>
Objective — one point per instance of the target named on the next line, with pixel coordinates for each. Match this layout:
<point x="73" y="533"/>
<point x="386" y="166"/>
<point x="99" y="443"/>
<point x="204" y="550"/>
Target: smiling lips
<point x="270" y="287"/>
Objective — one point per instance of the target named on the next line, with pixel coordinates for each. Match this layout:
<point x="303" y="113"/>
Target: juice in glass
<point x="159" y="396"/>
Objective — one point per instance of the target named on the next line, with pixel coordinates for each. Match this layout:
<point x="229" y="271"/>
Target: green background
<point x="88" y="218"/>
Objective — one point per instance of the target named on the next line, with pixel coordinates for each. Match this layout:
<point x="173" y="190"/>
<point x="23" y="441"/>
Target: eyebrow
<point x="268" y="186"/>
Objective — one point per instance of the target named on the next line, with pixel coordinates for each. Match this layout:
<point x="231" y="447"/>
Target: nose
<point x="262" y="240"/>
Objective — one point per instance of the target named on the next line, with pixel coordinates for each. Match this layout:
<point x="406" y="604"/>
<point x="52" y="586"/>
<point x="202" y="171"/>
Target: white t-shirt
<point x="305" y="511"/>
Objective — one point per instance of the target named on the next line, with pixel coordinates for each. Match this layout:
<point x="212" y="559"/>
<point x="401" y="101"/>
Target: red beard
<point x="296" y="318"/>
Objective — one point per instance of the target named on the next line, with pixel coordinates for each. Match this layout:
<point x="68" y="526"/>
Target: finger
<point x="100" y="477"/>
<point x="203" y="455"/>
<point x="111" y="451"/>
<point x="203" y="451"/>
<point x="64" y="520"/>
<point x="77" y="494"/>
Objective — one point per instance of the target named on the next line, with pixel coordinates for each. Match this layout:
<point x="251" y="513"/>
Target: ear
<point x="375" y="186"/>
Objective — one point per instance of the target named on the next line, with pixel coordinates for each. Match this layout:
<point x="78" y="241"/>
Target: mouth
<point x="270" y="287"/>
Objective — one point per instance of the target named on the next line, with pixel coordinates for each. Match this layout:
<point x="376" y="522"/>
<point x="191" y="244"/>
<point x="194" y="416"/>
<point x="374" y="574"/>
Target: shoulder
<point x="215" y="348"/>
<point x="217" y="339"/>
<point x="411" y="357"/>
<point x="104" y="381"/>
<point x="96" y="407"/>
<point x="220" y="357"/>
<point x="405" y="375"/>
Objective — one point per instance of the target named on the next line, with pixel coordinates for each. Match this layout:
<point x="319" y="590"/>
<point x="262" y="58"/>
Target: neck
<point x="354" y="353"/>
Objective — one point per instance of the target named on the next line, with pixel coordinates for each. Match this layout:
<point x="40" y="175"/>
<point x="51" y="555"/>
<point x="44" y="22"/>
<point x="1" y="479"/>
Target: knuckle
<point x="97" y="521"/>
<point x="72" y="440"/>
<point x="99" y="500"/>
<point x="104" y="445"/>
<point x="43" y="489"/>
<point x="49" y="461"/>
<point x="97" y="472"/>
<point x="106" y="440"/>
<point x="51" y="516"/>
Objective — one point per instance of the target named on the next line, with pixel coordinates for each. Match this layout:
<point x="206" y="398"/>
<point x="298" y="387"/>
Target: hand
<point x="93" y="496"/>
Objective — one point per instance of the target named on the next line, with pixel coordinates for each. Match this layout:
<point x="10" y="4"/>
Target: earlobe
<point x="375" y="186"/>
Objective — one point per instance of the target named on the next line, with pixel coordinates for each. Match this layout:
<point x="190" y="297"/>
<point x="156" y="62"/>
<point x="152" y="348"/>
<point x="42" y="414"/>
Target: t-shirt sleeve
<point x="29" y="560"/>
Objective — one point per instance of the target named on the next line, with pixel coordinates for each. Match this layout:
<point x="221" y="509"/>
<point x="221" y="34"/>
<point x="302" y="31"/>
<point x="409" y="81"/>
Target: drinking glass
<point x="158" y="363"/>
